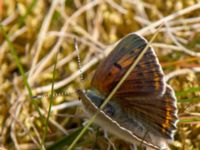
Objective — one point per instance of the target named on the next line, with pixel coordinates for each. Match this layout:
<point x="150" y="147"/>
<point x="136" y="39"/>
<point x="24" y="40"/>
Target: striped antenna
<point x="79" y="63"/>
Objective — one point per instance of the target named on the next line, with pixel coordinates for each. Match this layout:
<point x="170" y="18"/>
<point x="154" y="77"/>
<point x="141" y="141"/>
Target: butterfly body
<point x="143" y="110"/>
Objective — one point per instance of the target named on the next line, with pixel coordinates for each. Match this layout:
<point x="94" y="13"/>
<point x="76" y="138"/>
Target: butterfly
<point x="143" y="110"/>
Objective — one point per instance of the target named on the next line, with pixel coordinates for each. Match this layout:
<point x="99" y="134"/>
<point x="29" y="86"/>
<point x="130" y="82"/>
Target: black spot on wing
<point x="118" y="66"/>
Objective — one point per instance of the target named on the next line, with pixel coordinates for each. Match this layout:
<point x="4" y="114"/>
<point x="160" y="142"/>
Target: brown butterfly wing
<point x="146" y="79"/>
<point x="158" y="114"/>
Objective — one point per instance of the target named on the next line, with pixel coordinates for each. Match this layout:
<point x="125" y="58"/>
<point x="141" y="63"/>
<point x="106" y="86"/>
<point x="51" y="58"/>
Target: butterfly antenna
<point x="79" y="64"/>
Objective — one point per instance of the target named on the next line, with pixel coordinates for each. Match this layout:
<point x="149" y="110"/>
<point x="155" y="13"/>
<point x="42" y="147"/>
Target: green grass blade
<point x="192" y="120"/>
<point x="51" y="101"/>
<point x="19" y="66"/>
<point x="16" y="58"/>
<point x="190" y="90"/>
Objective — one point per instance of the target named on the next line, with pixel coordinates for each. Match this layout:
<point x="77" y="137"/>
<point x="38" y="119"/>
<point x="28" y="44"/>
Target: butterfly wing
<point x="158" y="115"/>
<point x="146" y="79"/>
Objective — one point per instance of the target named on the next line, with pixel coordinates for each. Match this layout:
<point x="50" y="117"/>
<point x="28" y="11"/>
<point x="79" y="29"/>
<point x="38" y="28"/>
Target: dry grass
<point x="39" y="32"/>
